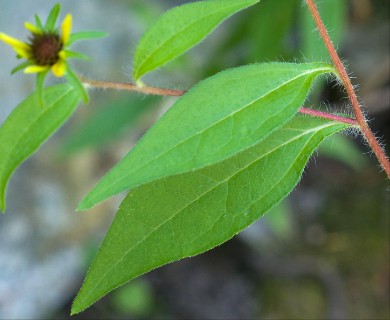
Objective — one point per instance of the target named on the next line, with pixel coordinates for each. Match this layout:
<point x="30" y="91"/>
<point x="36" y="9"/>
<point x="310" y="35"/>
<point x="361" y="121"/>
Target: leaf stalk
<point x="132" y="87"/>
<point x="128" y="86"/>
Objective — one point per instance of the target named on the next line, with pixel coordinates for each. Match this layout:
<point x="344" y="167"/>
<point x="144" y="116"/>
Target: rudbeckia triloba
<point x="47" y="49"/>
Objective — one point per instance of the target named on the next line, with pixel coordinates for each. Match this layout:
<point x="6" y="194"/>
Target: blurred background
<point x="322" y="253"/>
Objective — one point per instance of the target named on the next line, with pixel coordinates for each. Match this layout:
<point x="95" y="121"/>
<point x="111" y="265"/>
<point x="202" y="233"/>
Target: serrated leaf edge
<point x="197" y="198"/>
<point x="329" y="69"/>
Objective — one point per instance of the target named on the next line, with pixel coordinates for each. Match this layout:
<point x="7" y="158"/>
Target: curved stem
<point x="365" y="129"/>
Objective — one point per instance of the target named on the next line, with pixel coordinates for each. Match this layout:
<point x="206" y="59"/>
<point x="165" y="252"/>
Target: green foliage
<point x="260" y="34"/>
<point x="186" y="214"/>
<point x="333" y="13"/>
<point x="227" y="152"/>
<point x="85" y="35"/>
<point x="107" y="122"/>
<point x="134" y="299"/>
<point x="341" y="148"/>
<point x="29" y="125"/>
<point x="74" y="80"/>
<point x="179" y="30"/>
<point x="52" y="18"/>
<point x="271" y="18"/>
<point x="247" y="104"/>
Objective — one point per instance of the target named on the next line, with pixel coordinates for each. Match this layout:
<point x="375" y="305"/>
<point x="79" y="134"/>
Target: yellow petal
<point x="62" y="54"/>
<point x="66" y="28"/>
<point x="20" y="47"/>
<point x="22" y="53"/>
<point x="35" y="69"/>
<point x="59" y="68"/>
<point x="30" y="27"/>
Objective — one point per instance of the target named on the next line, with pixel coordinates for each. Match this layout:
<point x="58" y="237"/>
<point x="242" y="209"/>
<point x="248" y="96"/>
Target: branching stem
<point x="365" y="129"/>
<point x="176" y="93"/>
<point x="329" y="116"/>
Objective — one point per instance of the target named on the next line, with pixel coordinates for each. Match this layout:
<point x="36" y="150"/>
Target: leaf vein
<point x="178" y="32"/>
<point x="125" y="176"/>
<point x="103" y="276"/>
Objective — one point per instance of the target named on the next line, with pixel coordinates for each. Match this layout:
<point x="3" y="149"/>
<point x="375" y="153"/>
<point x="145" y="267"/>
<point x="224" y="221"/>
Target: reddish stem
<point x="365" y="129"/>
<point x="320" y="114"/>
<point x="132" y="87"/>
<point x="170" y="92"/>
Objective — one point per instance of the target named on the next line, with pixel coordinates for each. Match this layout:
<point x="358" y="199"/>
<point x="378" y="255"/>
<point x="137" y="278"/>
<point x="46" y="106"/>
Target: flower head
<point x="47" y="48"/>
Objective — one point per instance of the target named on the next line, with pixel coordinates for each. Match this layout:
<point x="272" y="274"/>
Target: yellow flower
<point x="46" y="49"/>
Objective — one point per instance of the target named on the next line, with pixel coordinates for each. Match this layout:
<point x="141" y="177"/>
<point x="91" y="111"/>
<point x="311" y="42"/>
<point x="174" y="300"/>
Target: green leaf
<point x="85" y="35"/>
<point x="107" y="122"/>
<point x="76" y="83"/>
<point x="267" y="29"/>
<point x="29" y="126"/>
<point x="187" y="214"/>
<point x="180" y="29"/>
<point x="76" y="55"/>
<point x="52" y="18"/>
<point x="218" y="117"/>
<point x="335" y="15"/>
<point x="21" y="66"/>
<point x="39" y="83"/>
<point x="38" y="22"/>
<point x="262" y="34"/>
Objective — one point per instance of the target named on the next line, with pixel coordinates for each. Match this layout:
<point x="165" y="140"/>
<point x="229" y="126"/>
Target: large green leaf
<point x="180" y="29"/>
<point x="187" y="214"/>
<point x="30" y="125"/>
<point x="217" y="118"/>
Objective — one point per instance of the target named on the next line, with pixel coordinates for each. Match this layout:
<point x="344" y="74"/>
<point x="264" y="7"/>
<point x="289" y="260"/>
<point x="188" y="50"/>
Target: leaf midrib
<point x="102" y="277"/>
<point x="124" y="177"/>
<point x="253" y="201"/>
<point x="171" y="37"/>
<point x="5" y="162"/>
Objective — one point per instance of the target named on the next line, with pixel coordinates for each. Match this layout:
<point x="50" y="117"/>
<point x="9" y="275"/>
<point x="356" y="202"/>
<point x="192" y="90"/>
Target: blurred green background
<point x="322" y="253"/>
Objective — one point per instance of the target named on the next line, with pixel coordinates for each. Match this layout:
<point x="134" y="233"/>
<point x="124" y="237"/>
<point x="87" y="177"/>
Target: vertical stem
<point x="367" y="133"/>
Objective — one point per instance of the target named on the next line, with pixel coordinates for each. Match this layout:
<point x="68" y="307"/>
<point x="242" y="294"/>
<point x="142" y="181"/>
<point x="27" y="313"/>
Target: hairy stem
<point x="171" y="92"/>
<point x="365" y="129"/>
<point x="321" y="114"/>
<point x="132" y="87"/>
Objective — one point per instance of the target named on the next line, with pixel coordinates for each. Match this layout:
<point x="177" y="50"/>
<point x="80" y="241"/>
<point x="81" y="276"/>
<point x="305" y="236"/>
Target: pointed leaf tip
<point x="180" y="29"/>
<point x="247" y="104"/>
<point x="186" y="214"/>
<point x="21" y="136"/>
<point x="52" y="17"/>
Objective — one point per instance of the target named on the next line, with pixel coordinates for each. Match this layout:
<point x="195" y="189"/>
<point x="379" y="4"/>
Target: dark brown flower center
<point x="45" y="49"/>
